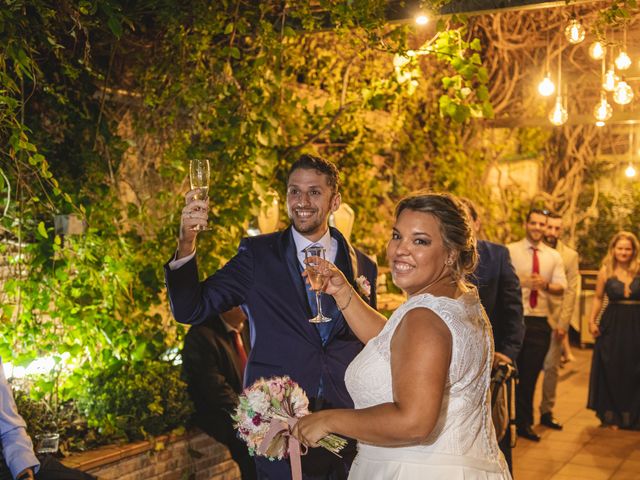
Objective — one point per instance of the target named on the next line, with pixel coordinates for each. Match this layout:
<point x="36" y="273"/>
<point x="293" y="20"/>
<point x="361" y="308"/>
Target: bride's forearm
<point x="363" y="320"/>
<point x="384" y="425"/>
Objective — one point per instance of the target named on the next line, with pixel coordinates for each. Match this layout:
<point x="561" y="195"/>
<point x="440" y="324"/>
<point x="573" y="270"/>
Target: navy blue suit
<point x="500" y="295"/>
<point x="265" y="277"/>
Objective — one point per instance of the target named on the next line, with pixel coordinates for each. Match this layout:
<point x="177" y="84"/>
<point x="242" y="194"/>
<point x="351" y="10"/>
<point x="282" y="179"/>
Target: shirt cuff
<point x="176" y="264"/>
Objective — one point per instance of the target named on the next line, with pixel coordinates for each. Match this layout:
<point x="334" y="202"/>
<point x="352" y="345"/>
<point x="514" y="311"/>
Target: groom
<point x="265" y="276"/>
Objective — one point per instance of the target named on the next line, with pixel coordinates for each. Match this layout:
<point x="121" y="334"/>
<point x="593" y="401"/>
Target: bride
<point x="421" y="384"/>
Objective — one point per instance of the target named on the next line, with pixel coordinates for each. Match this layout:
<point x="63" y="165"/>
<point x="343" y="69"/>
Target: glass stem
<point x="318" y="304"/>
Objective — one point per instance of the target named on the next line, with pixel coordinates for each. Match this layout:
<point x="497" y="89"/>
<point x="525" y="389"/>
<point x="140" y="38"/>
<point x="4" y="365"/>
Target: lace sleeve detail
<point x="453" y="312"/>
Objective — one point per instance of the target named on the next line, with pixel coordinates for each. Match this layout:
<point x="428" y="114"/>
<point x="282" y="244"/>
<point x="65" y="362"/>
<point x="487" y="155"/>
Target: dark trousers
<point x="50" y="469"/>
<point x="530" y="362"/>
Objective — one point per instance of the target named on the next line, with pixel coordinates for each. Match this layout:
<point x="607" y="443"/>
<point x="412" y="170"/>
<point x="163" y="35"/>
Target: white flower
<point x="364" y="287"/>
<point x="299" y="402"/>
<point x="259" y="401"/>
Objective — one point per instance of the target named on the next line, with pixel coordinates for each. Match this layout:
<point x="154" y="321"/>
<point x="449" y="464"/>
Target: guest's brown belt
<point x="626" y="302"/>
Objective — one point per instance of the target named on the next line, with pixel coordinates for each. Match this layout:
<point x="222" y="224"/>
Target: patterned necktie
<point x="535" y="268"/>
<point x="242" y="353"/>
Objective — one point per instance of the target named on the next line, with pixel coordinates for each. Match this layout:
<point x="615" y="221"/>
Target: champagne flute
<point x="199" y="178"/>
<point x="316" y="278"/>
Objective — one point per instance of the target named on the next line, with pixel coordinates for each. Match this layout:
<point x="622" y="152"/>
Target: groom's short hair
<point x="311" y="162"/>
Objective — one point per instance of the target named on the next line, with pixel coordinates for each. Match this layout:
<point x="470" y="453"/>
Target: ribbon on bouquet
<point x="282" y="427"/>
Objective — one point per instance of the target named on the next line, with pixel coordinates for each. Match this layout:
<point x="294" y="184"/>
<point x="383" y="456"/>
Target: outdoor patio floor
<point x="582" y="450"/>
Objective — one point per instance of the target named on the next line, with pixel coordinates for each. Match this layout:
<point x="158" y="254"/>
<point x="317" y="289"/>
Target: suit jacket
<point x="213" y="372"/>
<point x="500" y="295"/>
<point x="265" y="277"/>
<point x="561" y="307"/>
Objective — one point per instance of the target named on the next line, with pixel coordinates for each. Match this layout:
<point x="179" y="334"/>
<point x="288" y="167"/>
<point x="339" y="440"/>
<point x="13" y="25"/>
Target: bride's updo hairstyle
<point x="455" y="228"/>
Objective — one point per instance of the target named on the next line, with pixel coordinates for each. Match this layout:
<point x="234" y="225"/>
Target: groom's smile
<point x="310" y="200"/>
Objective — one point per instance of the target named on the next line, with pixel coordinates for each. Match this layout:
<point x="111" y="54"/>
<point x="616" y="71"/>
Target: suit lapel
<point x="288" y="252"/>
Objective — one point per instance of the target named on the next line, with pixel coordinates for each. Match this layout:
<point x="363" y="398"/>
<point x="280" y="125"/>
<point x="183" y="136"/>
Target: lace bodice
<point x="464" y="426"/>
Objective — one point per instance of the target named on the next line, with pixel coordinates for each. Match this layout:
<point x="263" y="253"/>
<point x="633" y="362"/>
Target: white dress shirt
<point x="551" y="269"/>
<point x="330" y="245"/>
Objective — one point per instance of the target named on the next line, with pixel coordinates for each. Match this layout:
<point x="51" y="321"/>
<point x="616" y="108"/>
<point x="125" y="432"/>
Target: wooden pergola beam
<point x="405" y="11"/>
<point x="618" y="118"/>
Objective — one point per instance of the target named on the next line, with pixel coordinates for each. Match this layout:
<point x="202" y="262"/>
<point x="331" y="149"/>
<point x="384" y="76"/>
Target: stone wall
<point x="194" y="456"/>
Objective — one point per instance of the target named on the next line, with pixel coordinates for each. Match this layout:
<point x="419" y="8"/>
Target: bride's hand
<point x="334" y="279"/>
<point x="310" y="429"/>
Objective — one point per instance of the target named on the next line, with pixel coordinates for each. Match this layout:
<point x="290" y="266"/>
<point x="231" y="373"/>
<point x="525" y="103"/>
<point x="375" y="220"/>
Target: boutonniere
<point x="363" y="286"/>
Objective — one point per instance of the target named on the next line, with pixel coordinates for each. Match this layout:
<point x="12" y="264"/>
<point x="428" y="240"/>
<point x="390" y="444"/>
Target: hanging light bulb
<point x="623" y="93"/>
<point x="574" y="31"/>
<point x="603" y="110"/>
<point x="596" y="50"/>
<point x="559" y="114"/>
<point x="422" y="19"/>
<point x="623" y="61"/>
<point x="630" y="172"/>
<point x="610" y="80"/>
<point x="546" y="87"/>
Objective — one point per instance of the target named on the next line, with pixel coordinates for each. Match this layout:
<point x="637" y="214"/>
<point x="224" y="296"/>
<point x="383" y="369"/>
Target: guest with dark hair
<point x="561" y="309"/>
<point x="265" y="277"/>
<point x="501" y="296"/>
<point x="541" y="274"/>
<point x="213" y="361"/>
<point x="421" y="384"/>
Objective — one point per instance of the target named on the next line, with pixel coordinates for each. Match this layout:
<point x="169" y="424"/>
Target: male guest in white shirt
<point x="541" y="273"/>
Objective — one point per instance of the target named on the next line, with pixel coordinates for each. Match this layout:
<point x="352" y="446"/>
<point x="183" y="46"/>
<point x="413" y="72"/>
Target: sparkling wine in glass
<point x="199" y="176"/>
<point x="316" y="278"/>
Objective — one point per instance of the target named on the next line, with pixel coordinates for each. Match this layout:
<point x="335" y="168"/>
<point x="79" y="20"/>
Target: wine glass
<point x="47" y="442"/>
<point x="316" y="278"/>
<point x="199" y="178"/>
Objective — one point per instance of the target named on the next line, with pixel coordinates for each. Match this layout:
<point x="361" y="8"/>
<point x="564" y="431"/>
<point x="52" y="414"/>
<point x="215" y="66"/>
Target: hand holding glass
<point x="199" y="177"/>
<point x="316" y="278"/>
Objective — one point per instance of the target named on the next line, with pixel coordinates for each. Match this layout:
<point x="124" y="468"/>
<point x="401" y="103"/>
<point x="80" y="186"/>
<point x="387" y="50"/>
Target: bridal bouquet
<point x="267" y="411"/>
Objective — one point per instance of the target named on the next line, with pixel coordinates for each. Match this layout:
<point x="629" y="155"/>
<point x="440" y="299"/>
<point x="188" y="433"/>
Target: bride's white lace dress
<point x="463" y="444"/>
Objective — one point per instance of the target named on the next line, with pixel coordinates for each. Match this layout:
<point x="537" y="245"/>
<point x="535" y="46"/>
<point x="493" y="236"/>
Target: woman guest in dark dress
<point x="614" y="387"/>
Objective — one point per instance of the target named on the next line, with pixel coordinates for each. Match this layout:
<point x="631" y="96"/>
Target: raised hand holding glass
<point x="199" y="177"/>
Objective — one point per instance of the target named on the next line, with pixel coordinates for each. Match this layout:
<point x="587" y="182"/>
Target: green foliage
<point x="617" y="210"/>
<point x="618" y="12"/>
<point x="467" y="95"/>
<point x="134" y="400"/>
<point x="103" y="103"/>
<point x="68" y="422"/>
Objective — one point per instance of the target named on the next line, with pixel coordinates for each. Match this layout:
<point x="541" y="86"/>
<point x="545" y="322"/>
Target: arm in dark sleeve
<point x="207" y="383"/>
<point x="373" y="300"/>
<point x="510" y="311"/>
<point x="193" y="301"/>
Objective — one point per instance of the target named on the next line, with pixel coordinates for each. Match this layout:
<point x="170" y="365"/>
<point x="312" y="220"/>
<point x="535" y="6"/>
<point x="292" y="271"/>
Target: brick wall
<point x="193" y="456"/>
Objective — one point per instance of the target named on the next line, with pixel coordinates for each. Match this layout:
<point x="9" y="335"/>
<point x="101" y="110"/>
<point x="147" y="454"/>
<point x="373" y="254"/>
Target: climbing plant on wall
<point x="103" y="102"/>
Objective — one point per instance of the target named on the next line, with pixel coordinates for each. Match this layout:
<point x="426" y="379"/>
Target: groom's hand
<point x="194" y="213"/>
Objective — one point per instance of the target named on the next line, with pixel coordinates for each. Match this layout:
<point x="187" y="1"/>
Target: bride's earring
<point x="449" y="262"/>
